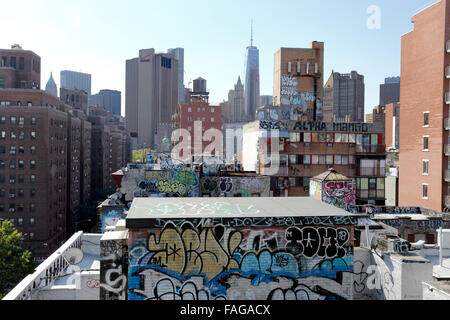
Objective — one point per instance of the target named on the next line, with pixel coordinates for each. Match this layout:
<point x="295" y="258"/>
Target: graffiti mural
<point x="165" y="184"/>
<point x="235" y="186"/>
<point x="198" y="259"/>
<point x="341" y="194"/>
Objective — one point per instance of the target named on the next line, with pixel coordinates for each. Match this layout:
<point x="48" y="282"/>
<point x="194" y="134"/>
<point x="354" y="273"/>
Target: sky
<point x="97" y="37"/>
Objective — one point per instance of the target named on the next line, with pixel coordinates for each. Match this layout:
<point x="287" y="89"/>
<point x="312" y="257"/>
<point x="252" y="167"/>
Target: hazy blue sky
<point x="98" y="36"/>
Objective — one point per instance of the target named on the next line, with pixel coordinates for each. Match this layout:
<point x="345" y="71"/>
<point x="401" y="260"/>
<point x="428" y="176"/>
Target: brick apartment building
<point x="298" y="80"/>
<point x="19" y="68"/>
<point x="197" y="116"/>
<point x="307" y="149"/>
<point x="424" y="106"/>
<point x="33" y="166"/>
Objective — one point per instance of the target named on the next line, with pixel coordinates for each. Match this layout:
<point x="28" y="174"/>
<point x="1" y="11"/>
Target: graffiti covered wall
<point x="341" y="194"/>
<point x="169" y="183"/>
<point x="235" y="186"/>
<point x="290" y="258"/>
<point x="113" y="269"/>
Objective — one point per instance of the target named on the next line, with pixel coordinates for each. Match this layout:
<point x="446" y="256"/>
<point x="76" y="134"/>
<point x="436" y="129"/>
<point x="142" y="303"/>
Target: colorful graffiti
<point x="207" y="261"/>
<point x="167" y="184"/>
<point x="341" y="194"/>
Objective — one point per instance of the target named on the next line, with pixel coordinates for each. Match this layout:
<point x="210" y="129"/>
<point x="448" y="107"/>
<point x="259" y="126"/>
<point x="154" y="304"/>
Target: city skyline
<point x="100" y="48"/>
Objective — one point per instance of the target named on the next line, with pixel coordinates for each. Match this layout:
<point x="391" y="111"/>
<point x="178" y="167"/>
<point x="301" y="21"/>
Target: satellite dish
<point x="73" y="256"/>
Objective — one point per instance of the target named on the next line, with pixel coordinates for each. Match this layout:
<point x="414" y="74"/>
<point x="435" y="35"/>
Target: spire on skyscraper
<point x="51" y="86"/>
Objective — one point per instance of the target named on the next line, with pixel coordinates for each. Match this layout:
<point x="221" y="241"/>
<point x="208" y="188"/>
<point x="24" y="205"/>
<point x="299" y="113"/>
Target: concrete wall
<point x="305" y="259"/>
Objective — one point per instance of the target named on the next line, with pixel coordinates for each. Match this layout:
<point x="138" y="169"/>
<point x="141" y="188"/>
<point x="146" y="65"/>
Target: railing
<point x="370" y="194"/>
<point x="47" y="272"/>
<point x="371" y="171"/>
<point x="370" y="149"/>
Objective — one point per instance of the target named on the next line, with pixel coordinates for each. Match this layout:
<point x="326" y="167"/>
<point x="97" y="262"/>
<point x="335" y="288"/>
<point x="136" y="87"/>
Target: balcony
<point x="447" y="175"/>
<point x="447" y="124"/>
<point x="370" y="149"/>
<point x="447" y="98"/>
<point x="371" y="171"/>
<point x="447" y="201"/>
<point x="447" y="149"/>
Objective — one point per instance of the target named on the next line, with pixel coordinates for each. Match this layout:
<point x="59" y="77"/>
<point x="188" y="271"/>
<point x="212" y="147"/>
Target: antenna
<point x="73" y="256"/>
<point x="251" y="37"/>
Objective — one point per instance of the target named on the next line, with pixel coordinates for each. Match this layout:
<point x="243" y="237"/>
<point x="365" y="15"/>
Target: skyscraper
<point x="76" y="80"/>
<point x="50" y="87"/>
<point x="251" y="89"/>
<point x="151" y="94"/>
<point x="178" y="53"/>
<point x="344" y="97"/>
<point x="108" y="99"/>
<point x="390" y="91"/>
<point x="236" y="103"/>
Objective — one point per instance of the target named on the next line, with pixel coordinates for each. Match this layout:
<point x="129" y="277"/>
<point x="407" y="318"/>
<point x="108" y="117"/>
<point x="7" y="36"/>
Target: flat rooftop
<point x="147" y="212"/>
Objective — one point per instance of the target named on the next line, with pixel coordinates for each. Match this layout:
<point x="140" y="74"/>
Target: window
<point x="212" y="119"/>
<point x="12" y="150"/>
<point x="21" y="178"/>
<point x="12" y="193"/>
<point x="2" y="82"/>
<point x="13" y="121"/>
<point x="337" y="160"/>
<point x="12" y="164"/>
<point x="32" y="207"/>
<point x="21" y="121"/>
<point x="307" y="159"/>
<point x="3" y="135"/>
<point x="20" y="221"/>
<point x="315" y="159"/>
<point x="425" y="167"/>
<point x="20" y="193"/>
<point x="425" y="143"/>
<point x="3" y="120"/>
<point x="212" y="110"/>
<point x="13" y="62"/>
<point x="424" y="191"/>
<point x="33" y="120"/>
<point x="2" y="149"/>
<point x="13" y="135"/>
<point x="21" y="63"/>
<point x="330" y="137"/>
<point x="337" y="137"/>
<point x="307" y="137"/>
<point x="33" y="134"/>
<point x="2" y="164"/>
<point x="426" y="119"/>
<point x="20" y="207"/>
<point x="21" y="135"/>
<point x="189" y="109"/>
<point x="32" y="193"/>
<point x="21" y="150"/>
<point x="32" y="221"/>
<point x="33" y="150"/>
<point x="33" y="164"/>
<point x="292" y="159"/>
<point x="12" y="179"/>
<point x="32" y="178"/>
<point x="329" y="159"/>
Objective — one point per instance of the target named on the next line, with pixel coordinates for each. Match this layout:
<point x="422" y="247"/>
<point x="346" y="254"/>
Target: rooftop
<point x="153" y="208"/>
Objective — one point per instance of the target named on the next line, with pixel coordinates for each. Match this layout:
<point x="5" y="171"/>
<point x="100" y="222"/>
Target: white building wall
<point x="250" y="150"/>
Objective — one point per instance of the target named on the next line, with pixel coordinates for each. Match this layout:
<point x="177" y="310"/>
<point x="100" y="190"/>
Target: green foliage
<point x="15" y="263"/>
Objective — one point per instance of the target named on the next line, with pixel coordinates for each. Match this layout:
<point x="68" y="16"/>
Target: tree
<point x="15" y="262"/>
